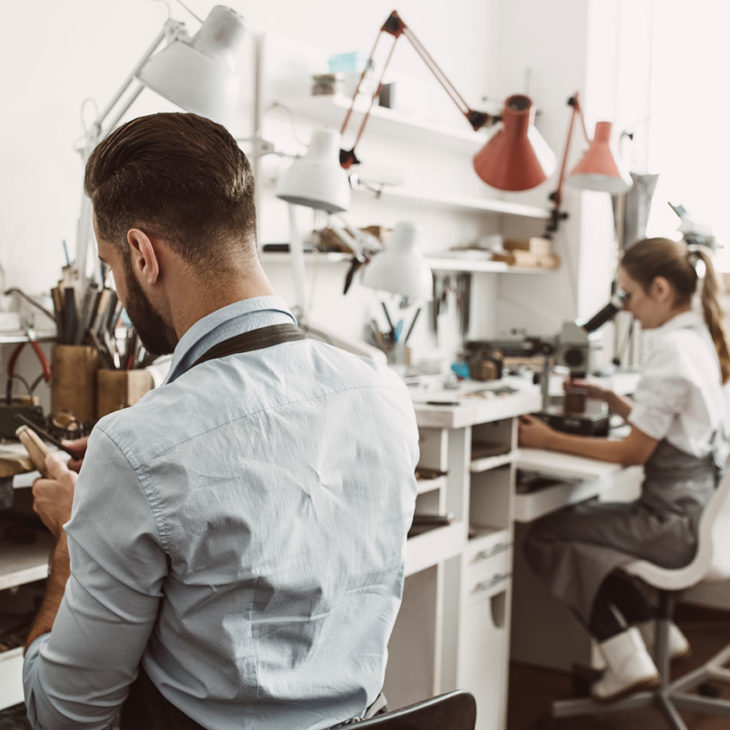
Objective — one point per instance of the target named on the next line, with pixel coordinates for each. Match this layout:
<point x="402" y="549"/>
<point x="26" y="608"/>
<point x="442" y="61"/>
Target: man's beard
<point x="157" y="336"/>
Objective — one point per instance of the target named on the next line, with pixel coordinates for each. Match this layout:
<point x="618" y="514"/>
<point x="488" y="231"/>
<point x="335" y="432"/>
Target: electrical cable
<point x="30" y="300"/>
<point x="9" y="387"/>
<point x="184" y="6"/>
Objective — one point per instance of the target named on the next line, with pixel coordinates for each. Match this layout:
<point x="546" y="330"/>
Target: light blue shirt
<point x="240" y="531"/>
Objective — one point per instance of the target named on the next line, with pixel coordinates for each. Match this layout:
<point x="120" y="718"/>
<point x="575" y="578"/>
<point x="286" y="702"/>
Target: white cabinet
<point x="454" y="625"/>
<point x="20" y="565"/>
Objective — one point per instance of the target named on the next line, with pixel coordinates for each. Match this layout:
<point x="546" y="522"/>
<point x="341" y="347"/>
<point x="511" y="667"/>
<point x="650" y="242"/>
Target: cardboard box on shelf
<point x="528" y="260"/>
<point x="536" y="245"/>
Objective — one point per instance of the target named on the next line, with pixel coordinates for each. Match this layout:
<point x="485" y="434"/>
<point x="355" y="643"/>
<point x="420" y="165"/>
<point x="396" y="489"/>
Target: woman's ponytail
<point x="711" y="307"/>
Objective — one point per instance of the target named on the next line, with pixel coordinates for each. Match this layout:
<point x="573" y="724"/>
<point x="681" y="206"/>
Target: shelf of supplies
<point x="20" y="564"/>
<point x="437" y="263"/>
<point x="331" y="110"/>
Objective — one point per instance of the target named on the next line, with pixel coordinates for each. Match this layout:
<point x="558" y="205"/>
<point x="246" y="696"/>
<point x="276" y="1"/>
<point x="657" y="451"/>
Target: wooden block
<point x="121" y="388"/>
<point x="73" y="380"/>
<point x="507" y="258"/>
<point x="535" y="245"/>
<point x="550" y="261"/>
<point x="526" y="259"/>
<point x="35" y="447"/>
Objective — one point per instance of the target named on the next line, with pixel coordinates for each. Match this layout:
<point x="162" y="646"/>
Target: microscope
<point x="575" y="347"/>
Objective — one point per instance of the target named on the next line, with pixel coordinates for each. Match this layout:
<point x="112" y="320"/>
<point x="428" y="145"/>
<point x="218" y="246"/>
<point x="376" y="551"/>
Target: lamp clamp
<point x="481" y="119"/>
<point x="394" y="25"/>
<point x="348" y="158"/>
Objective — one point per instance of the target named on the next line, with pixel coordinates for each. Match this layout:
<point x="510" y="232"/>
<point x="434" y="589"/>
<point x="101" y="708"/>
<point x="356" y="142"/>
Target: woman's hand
<point x="78" y="446"/>
<point x="592" y="388"/>
<point x="534" y="433"/>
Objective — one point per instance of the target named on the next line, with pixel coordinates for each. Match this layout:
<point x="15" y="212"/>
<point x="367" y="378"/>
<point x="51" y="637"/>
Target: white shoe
<point x="628" y="667"/>
<point x="678" y="645"/>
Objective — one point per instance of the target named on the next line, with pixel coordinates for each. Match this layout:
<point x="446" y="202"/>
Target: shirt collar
<point x="684" y="320"/>
<point x="233" y="319"/>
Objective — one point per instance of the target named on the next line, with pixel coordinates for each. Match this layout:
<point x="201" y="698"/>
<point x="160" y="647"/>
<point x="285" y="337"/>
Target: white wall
<point x="488" y="48"/>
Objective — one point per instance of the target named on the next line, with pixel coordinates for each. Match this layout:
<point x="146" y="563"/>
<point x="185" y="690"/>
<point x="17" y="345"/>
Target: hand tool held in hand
<point x="35" y="447"/>
<point x="47" y="436"/>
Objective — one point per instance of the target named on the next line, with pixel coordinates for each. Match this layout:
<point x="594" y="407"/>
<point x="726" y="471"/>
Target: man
<point x="236" y="538"/>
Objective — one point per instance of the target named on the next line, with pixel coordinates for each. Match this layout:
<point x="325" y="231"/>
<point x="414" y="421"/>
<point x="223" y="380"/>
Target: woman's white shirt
<point x="680" y="395"/>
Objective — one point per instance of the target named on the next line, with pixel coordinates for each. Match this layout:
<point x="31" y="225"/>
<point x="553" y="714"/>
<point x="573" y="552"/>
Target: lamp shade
<point x="316" y="180"/>
<point x="517" y="157"/>
<point x="598" y="169"/>
<point x="400" y="267"/>
<point x="199" y="74"/>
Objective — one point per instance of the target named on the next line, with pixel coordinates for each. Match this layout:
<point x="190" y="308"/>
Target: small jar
<point x="327" y="84"/>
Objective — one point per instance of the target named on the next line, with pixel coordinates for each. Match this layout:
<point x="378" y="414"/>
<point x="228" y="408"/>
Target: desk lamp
<point x="596" y="170"/>
<point x="515" y="158"/>
<point x="400" y="267"/>
<point x="196" y="73"/>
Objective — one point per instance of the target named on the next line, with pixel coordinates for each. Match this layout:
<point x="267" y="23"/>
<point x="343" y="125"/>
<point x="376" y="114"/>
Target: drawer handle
<point x="486" y="585"/>
<point x="500" y="547"/>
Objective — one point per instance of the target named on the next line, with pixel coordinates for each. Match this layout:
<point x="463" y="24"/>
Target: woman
<point x="677" y="418"/>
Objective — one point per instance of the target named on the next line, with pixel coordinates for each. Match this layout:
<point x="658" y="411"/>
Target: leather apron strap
<point x="258" y="339"/>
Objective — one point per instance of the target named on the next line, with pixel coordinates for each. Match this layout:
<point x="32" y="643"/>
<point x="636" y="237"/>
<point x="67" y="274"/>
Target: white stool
<point x="711" y="563"/>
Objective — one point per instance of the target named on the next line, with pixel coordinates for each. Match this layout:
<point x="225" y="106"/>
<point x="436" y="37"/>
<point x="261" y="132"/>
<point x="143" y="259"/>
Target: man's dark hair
<point x="179" y="177"/>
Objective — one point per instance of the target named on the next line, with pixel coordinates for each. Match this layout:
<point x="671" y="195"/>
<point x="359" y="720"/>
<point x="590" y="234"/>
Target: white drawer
<point x="487" y="564"/>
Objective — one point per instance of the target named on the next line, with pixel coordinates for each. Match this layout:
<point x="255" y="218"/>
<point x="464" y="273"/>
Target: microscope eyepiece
<point x="615" y="304"/>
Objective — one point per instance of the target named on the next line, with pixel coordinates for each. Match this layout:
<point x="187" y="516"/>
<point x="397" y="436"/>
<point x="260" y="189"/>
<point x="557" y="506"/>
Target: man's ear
<point x="143" y="255"/>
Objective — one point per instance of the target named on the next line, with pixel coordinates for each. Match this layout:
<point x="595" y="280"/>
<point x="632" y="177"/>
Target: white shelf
<point x="475" y="204"/>
<point x="331" y="110"/>
<point x="20" y="564"/>
<point x="437" y="263"/>
<point x="478" y="266"/>
<point x="532" y="506"/>
<point x="490" y="462"/>
<point x="565" y="466"/>
<point x="431" y="485"/>
<point x="434" y="546"/>
<point x="16" y="337"/>
<point x="314" y="258"/>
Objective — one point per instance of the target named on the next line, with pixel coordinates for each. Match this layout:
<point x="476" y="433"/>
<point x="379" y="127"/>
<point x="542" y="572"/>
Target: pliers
<point x="12" y="360"/>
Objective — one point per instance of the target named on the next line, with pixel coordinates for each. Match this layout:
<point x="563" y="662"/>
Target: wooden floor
<point x="533" y="689"/>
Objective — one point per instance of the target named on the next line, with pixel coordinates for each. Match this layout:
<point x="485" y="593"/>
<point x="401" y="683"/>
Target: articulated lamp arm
<point x="396" y="27"/>
<point x="100" y="127"/>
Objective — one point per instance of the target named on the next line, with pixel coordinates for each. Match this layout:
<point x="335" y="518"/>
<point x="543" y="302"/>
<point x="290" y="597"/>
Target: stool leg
<point x="661" y="636"/>
<point x="670" y="711"/>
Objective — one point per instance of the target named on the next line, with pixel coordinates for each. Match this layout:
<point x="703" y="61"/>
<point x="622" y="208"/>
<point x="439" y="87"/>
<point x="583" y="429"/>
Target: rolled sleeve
<point x="79" y="674"/>
<point x="657" y="401"/>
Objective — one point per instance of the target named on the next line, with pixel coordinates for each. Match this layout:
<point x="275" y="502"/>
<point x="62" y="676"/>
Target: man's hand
<point x="534" y="433"/>
<point x="52" y="496"/>
<point x="78" y="446"/>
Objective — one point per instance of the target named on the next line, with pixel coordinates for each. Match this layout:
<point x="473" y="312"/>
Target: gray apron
<point x="574" y="549"/>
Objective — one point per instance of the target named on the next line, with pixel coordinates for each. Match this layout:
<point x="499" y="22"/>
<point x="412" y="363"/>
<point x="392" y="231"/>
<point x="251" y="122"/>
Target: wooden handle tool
<point x="35" y="447"/>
